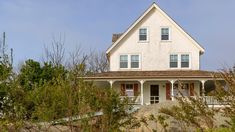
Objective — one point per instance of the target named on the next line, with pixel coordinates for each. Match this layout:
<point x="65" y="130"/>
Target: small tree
<point x="116" y="112"/>
<point x="225" y="94"/>
<point x="6" y="73"/>
<point x="30" y="74"/>
<point x="191" y="112"/>
<point x="97" y="62"/>
<point x="56" y="53"/>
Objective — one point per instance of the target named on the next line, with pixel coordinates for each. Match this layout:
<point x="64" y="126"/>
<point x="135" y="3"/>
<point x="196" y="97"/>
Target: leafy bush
<point x="191" y="112"/>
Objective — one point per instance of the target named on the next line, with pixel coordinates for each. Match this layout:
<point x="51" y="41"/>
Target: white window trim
<point x="129" y="62"/>
<point x="179" y="61"/>
<point x="147" y="37"/>
<point x="120" y="61"/>
<point x="169" y="40"/>
<point x="188" y="62"/>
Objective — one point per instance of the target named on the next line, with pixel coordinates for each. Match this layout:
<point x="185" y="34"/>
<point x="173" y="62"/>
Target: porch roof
<point x="171" y="74"/>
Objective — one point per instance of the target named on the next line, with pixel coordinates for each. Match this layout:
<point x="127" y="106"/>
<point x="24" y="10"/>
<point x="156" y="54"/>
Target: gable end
<point x="118" y="37"/>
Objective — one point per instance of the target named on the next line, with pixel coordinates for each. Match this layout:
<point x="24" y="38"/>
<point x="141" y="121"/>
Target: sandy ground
<point x="144" y="111"/>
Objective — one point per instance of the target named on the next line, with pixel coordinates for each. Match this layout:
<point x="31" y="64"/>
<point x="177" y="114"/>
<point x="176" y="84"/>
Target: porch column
<point x="111" y="83"/>
<point x="203" y="87"/>
<point x="142" y="92"/>
<point x="172" y="89"/>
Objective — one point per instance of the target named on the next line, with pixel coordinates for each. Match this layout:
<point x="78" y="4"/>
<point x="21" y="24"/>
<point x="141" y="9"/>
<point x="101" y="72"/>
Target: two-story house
<point x="148" y="60"/>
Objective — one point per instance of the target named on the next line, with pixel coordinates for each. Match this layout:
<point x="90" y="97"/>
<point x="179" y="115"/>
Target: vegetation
<point x="5" y="72"/>
<point x="226" y="95"/>
<point x="53" y="93"/>
<point x="194" y="113"/>
<point x="191" y="113"/>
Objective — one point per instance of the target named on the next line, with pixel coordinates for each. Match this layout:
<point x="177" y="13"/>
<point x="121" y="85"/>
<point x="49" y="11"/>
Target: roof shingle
<point x="152" y="74"/>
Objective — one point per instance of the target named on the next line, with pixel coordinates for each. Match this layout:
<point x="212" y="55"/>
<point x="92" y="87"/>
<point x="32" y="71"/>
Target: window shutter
<point x="168" y="91"/>
<point x="123" y="89"/>
<point x="191" y="89"/>
<point x="135" y="89"/>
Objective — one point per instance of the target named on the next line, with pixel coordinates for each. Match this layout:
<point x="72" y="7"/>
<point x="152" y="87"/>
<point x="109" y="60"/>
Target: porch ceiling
<point x="184" y="74"/>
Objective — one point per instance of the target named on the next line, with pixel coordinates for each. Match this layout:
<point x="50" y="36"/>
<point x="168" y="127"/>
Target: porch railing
<point x="209" y="100"/>
<point x="131" y="99"/>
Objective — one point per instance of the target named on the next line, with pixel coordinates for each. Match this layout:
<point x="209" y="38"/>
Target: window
<point x="129" y="61"/>
<point x="143" y="34"/>
<point x="175" y="89"/>
<point x="183" y="88"/>
<point x="123" y="61"/>
<point x="134" y="61"/>
<point x="165" y="34"/>
<point x="173" y="61"/>
<point x="184" y="60"/>
<point x="129" y="90"/>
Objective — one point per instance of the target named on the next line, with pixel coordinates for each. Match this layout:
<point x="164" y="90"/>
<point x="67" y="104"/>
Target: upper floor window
<point x="134" y="61"/>
<point x="143" y="34"/>
<point x="165" y="34"/>
<point x="184" y="60"/>
<point x="123" y="61"/>
<point x="173" y="61"/>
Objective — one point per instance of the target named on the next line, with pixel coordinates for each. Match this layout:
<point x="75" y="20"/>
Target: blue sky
<point x="31" y="24"/>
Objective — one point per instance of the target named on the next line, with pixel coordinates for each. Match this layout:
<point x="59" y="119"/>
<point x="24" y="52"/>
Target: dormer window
<point x="165" y="33"/>
<point x="123" y="61"/>
<point x="143" y="34"/>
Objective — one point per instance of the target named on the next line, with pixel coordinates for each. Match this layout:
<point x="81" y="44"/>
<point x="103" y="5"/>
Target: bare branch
<point x="75" y="57"/>
<point x="98" y="62"/>
<point x="56" y="54"/>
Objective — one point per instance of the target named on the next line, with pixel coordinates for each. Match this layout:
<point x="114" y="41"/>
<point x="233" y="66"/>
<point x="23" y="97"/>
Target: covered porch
<point x="159" y="87"/>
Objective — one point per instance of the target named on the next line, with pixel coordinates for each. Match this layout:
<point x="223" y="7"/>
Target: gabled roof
<point x="154" y="5"/>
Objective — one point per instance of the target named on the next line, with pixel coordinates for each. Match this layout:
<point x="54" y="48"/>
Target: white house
<point x="149" y="59"/>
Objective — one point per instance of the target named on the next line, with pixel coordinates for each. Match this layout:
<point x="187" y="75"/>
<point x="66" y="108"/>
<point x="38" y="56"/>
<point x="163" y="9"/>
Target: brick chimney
<point x="115" y="37"/>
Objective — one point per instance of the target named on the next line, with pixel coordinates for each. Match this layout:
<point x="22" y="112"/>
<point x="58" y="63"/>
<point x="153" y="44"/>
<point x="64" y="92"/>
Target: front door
<point x="154" y="94"/>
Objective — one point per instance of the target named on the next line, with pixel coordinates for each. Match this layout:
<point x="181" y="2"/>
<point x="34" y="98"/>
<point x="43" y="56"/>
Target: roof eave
<point x="131" y="27"/>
